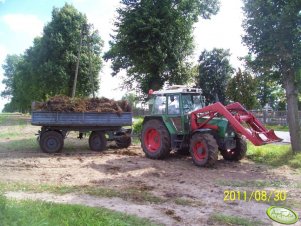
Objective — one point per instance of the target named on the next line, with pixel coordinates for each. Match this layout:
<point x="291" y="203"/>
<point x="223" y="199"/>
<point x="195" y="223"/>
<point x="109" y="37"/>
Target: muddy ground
<point x="180" y="193"/>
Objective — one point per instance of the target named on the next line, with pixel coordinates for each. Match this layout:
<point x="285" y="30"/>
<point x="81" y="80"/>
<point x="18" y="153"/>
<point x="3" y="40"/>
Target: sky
<point x="22" y="20"/>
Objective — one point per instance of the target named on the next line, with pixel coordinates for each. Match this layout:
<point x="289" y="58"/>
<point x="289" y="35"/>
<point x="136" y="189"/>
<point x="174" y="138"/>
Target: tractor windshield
<point x="192" y="102"/>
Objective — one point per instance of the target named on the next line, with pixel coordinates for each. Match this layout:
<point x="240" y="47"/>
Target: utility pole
<point x="90" y="63"/>
<point x="77" y="63"/>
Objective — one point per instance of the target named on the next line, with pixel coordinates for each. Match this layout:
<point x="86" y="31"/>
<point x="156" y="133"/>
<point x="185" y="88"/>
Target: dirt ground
<point x="190" y="194"/>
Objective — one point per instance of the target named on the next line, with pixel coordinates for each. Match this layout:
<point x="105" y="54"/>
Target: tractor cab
<point x="174" y="105"/>
<point x="176" y="101"/>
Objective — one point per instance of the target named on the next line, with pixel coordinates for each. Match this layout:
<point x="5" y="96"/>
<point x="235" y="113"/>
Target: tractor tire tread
<point x="240" y="150"/>
<point x="211" y="146"/>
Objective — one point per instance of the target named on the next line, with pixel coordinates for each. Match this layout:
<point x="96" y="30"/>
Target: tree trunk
<point x="292" y="111"/>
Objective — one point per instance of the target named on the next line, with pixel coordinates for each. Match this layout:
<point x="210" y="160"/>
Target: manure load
<point x="103" y="117"/>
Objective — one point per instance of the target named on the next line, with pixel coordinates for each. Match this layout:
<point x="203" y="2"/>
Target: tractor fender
<point x="160" y="118"/>
<point x="146" y="118"/>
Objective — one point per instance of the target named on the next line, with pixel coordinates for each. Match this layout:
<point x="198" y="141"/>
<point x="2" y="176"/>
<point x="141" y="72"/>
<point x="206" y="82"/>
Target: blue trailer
<point x="104" y="126"/>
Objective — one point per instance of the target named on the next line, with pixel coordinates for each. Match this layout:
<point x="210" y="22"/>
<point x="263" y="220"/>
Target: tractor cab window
<point x="191" y="102"/>
<point x="160" y="105"/>
<point x="173" y="104"/>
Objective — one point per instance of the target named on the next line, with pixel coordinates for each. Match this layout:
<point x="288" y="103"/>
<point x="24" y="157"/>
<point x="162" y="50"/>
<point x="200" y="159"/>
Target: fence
<point x="266" y="117"/>
<point x="140" y="112"/>
<point x="273" y="117"/>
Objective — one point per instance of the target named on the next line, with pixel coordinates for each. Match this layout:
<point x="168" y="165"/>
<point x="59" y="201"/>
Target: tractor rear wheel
<point x="203" y="149"/>
<point x="97" y="141"/>
<point x="237" y="153"/>
<point x="155" y="139"/>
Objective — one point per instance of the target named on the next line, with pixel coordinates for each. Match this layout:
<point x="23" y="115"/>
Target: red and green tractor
<point x="179" y="120"/>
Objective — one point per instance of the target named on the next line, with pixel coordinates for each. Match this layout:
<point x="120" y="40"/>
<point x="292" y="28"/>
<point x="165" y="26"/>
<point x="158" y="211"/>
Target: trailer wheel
<point x="123" y="141"/>
<point x="97" y="141"/>
<point x="237" y="153"/>
<point x="51" y="141"/>
<point x="155" y="140"/>
<point x="203" y="149"/>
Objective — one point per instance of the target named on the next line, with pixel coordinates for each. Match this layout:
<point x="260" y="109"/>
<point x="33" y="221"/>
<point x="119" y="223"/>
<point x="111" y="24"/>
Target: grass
<point x="3" y="118"/>
<point x="274" y="155"/>
<point x="19" y="145"/>
<point x="13" y="120"/>
<point x="136" y="141"/>
<point x="36" y="213"/>
<point x="132" y="194"/>
<point x="13" y="125"/>
<point x="10" y="134"/>
<point x="277" y="127"/>
<point x="233" y="220"/>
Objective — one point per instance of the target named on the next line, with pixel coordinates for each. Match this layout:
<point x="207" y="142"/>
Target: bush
<point x="2" y="206"/>
<point x="137" y="125"/>
<point x="296" y="161"/>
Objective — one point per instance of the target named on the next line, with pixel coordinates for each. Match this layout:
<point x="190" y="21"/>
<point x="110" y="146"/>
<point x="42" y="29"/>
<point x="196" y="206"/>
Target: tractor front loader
<point x="180" y="121"/>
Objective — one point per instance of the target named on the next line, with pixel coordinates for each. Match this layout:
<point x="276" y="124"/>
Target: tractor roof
<point x="178" y="89"/>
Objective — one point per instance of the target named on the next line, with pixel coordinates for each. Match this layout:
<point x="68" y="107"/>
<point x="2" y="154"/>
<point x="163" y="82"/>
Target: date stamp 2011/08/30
<point x="257" y="195"/>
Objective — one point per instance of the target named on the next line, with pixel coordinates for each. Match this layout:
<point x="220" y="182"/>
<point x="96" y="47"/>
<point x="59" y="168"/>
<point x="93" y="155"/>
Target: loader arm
<point x="236" y="115"/>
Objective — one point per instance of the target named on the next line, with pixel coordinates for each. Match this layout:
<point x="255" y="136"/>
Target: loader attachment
<point x="242" y="121"/>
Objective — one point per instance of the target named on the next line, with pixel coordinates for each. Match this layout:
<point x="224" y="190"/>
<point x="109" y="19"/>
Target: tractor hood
<point x="224" y="128"/>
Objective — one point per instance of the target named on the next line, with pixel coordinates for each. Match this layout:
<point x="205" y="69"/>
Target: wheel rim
<point x="199" y="151"/>
<point x="52" y="143"/>
<point x="152" y="140"/>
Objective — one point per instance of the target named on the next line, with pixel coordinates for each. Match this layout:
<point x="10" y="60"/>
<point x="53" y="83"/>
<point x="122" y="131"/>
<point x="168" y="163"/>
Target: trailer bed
<point x="81" y="119"/>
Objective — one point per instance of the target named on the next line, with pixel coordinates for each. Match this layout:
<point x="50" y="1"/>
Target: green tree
<point x="243" y="88"/>
<point x="131" y="98"/>
<point x="48" y="67"/>
<point x="154" y="39"/>
<point x="273" y="30"/>
<point x="9" y="67"/>
<point x="269" y="89"/>
<point x="269" y="92"/>
<point x="58" y="53"/>
<point x="214" y="72"/>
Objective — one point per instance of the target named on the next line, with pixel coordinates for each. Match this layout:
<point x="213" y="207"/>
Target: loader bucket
<point x="237" y="116"/>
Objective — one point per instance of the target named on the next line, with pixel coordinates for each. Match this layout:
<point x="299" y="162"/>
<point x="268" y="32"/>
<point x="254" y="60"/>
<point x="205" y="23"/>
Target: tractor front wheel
<point x="155" y="139"/>
<point x="203" y="149"/>
<point x="238" y="152"/>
